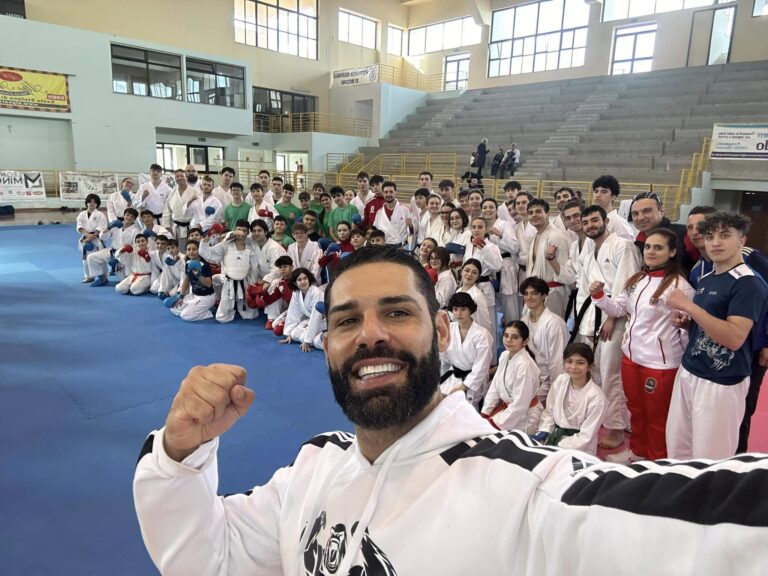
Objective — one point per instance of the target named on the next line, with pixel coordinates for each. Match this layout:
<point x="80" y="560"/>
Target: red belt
<point x="135" y="275"/>
<point x="554" y="284"/>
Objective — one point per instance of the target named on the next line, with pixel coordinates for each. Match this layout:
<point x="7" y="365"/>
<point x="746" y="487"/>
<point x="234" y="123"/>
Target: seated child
<point x="138" y="267"/>
<point x="196" y="296"/>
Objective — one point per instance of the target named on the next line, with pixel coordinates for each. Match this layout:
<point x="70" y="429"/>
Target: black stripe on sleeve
<point x="513" y="447"/>
<point x="708" y="498"/>
<point x="146" y="448"/>
<point x="341" y="439"/>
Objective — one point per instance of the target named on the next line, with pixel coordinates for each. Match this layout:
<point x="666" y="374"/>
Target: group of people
<point x="645" y="326"/>
<point x="504" y="163"/>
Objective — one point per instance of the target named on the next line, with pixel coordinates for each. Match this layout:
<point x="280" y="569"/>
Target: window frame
<point x="217" y="75"/>
<point x="273" y="25"/>
<point x="687" y="5"/>
<point x="443" y="48"/>
<point x="624" y="31"/>
<point x="401" y="31"/>
<point x="451" y="59"/>
<point x="147" y="62"/>
<point x="363" y="19"/>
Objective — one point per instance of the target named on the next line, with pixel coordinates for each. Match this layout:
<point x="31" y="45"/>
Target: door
<point x="456" y="72"/>
<point x="755" y="205"/>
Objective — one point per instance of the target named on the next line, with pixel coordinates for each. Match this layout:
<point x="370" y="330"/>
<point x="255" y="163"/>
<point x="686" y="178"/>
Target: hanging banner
<point x="21" y="187"/>
<point x="739" y="142"/>
<point x="77" y="185"/>
<point x="355" y="76"/>
<point x="22" y="89"/>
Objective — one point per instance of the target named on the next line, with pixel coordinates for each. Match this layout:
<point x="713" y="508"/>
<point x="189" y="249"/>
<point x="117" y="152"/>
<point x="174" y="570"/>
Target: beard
<point x="391" y="405"/>
<point x="191" y="178"/>
<point x="592" y="234"/>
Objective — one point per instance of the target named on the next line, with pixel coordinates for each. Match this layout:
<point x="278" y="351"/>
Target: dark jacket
<point x="686" y="260"/>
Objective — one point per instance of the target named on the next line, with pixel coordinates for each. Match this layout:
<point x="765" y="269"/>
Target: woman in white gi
<point x="303" y="321"/>
<point x="138" y="267"/>
<point x="575" y="404"/>
<point x="514" y="383"/>
<point x="470" y="273"/>
<point x="445" y="286"/>
<point x="196" y="295"/>
<point x="502" y="234"/>
<point x="90" y="223"/>
<point x="465" y="364"/>
<point x="457" y="236"/>
<point x="652" y="346"/>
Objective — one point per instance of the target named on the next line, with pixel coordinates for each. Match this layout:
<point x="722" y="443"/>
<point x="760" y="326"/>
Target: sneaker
<point x="100" y="281"/>
<point x="623" y="457"/>
<point x="86" y="280"/>
<point x="269" y="325"/>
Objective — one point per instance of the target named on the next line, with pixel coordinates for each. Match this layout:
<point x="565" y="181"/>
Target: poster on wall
<point x="739" y="142"/>
<point x="77" y="185"/>
<point x="22" y="89"/>
<point x="21" y="187"/>
<point x="355" y="76"/>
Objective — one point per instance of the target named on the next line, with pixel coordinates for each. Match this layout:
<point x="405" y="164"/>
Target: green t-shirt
<point x="342" y="215"/>
<point x="289" y="212"/>
<point x="234" y="213"/>
<point x="316" y="206"/>
<point x="285" y="241"/>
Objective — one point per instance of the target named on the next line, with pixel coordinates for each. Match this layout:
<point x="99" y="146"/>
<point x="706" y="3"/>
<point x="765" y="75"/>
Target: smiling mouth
<point x="377" y="370"/>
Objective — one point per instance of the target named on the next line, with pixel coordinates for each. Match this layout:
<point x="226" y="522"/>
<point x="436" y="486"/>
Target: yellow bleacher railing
<point x="691" y="177"/>
<point x="312" y="122"/>
<point x="411" y="79"/>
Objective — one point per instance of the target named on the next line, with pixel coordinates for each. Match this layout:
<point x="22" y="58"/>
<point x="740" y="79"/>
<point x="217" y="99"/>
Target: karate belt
<point x="158" y="217"/>
<point x="554" y="284"/>
<point x="453" y="371"/>
<point x="558" y="434"/>
<point x="580" y="318"/>
<point x="571" y="304"/>
<point x="506" y="255"/>
<point x="136" y="275"/>
<point x="181" y="224"/>
<point x="238" y="286"/>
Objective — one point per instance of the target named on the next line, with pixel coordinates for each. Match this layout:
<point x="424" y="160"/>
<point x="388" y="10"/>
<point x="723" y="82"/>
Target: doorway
<point x="755" y="205"/>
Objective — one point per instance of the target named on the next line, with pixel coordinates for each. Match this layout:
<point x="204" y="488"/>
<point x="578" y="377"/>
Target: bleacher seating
<point x="642" y="127"/>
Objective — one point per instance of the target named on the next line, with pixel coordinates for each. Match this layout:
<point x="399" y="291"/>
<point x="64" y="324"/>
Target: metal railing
<point x="411" y="79"/>
<point x="312" y="122"/>
<point x="691" y="177"/>
<point x="413" y="163"/>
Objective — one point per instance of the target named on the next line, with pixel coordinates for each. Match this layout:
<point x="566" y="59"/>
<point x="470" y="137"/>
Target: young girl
<point x="457" y="236"/>
<point x="652" y="347"/>
<point x="445" y="286"/>
<point x="514" y="383"/>
<point x="198" y="281"/>
<point x="90" y="223"/>
<point x="575" y="404"/>
<point x="470" y="273"/>
<point x="424" y="252"/>
<point x="303" y="321"/>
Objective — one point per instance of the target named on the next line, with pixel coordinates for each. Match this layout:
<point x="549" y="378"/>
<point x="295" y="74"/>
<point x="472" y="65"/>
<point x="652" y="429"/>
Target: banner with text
<point x="22" y="89"/>
<point x="739" y="142"/>
<point x="355" y="76"/>
<point x="21" y="187"/>
<point x="77" y="185"/>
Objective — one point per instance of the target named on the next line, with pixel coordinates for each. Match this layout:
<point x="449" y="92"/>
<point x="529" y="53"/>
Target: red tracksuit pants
<point x="648" y="393"/>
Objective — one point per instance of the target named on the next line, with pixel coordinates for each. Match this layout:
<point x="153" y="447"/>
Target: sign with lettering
<point x="355" y="76"/>
<point x="22" y="89"/>
<point x="739" y="142"/>
<point x="21" y="187"/>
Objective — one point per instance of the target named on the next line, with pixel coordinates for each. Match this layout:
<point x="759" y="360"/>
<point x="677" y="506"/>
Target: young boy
<point x="156" y="263"/>
<point x="310" y="223"/>
<point x="275" y="294"/>
<point x="261" y="209"/>
<point x="237" y="209"/>
<point x="151" y="229"/>
<point x="280" y="234"/>
<point x="344" y="212"/>
<point x="90" y="223"/>
<point x="316" y="203"/>
<point x="287" y="209"/>
<point x="304" y="253"/>
<point x="138" y="267"/>
<point x="357" y="238"/>
<point x="304" y="199"/>
<point x="196" y="295"/>
<point x="173" y="270"/>
<point x="118" y="234"/>
<point x="377" y="238"/>
<point x="324" y="216"/>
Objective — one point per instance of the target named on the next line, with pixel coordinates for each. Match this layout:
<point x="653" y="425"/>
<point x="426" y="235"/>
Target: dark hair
<point x="132" y="211"/>
<point x="280" y="218"/>
<point x="647" y="196"/>
<point x="592" y="209"/>
<point x="237" y="185"/>
<point x="295" y="276"/>
<point x="229" y="170"/>
<point x="523" y="330"/>
<point x="446" y="184"/>
<point x="389" y="184"/>
<point x="443" y="255"/>
<point x="536" y="283"/>
<point x="609" y="182"/>
<point x="526" y="194"/>
<point x="319" y="185"/>
<point x="256" y="186"/>
<point x="325" y="194"/>
<point x="93" y="197"/>
<point x="275" y="178"/>
<point x="336" y="191"/>
<point x="242" y="223"/>
<point x="146" y="212"/>
<point x="305" y="196"/>
<point x="463" y="194"/>
<point x="462" y="300"/>
<point x="564" y="189"/>
<point x="539" y="202"/>
<point x="162" y="237"/>
<point x="347" y="224"/>
<point x="723" y="221"/>
<point x="355" y="232"/>
<point x="197" y="229"/>
<point x="289" y="188"/>
<point x="311" y="213"/>
<point x="139" y="235"/>
<point x="474" y="262"/>
<point x="579" y="349"/>
<point x="377" y="234"/>
<point x="426" y="173"/>
<point x="173" y="242"/>
<point x="512" y="185"/>
<point x="672" y="272"/>
<point x="495" y="204"/>
<point x="284" y="260"/>
<point x="376" y="179"/>
<point x="477" y="191"/>
<point x="386" y="254"/>
<point x="702" y="210"/>
<point x="155" y="167"/>
<point x="263" y="172"/>
<point x="361" y="175"/>
<point x="463" y="215"/>
<point x="259" y="223"/>
<point x="573" y="203"/>
<point x="422" y="192"/>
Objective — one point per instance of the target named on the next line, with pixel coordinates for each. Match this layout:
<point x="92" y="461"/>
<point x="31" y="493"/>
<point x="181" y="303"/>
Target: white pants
<point x="608" y="376"/>
<point x="508" y="305"/>
<point x="133" y="285"/>
<point x="154" y="287"/>
<point x="704" y="417"/>
<point x="275" y="310"/>
<point x="490" y="299"/>
<point x="557" y="301"/>
<point x="232" y="300"/>
<point x="98" y="263"/>
<point x="193" y="308"/>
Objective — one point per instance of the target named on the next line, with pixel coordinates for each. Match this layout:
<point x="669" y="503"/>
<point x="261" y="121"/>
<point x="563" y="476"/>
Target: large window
<point x="214" y="83"/>
<point x="146" y="73"/>
<point x="394" y="41"/>
<point x="357" y="30"/>
<point x="761" y="8"/>
<point x="623" y="9"/>
<point x="633" y="49"/>
<point x="456" y="72"/>
<point x="207" y="159"/>
<point x="276" y="102"/>
<point x="443" y="36"/>
<point x="287" y="26"/>
<point x="539" y="36"/>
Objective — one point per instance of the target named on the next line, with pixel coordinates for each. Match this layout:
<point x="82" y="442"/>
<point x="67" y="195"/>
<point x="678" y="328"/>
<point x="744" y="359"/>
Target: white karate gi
<point x="557" y="222"/>
<point x="235" y="267"/>
<point x="537" y="266"/>
<point x="491" y="261"/>
<point x="474" y="353"/>
<point x="116" y="206"/>
<point x="514" y="383"/>
<point x="159" y="231"/>
<point x="175" y="217"/>
<point x="580" y="410"/>
<point x="156" y="270"/>
<point x="263" y="258"/>
<point x="94" y="223"/>
<point x="196" y="212"/>
<point x="170" y="277"/>
<point x="138" y="274"/>
<point x="547" y="339"/>
<point x="253" y="214"/>
<point x="300" y="310"/>
<point x="360" y="204"/>
<point x="156" y="199"/>
<point x="223" y="196"/>
<point x="509" y="247"/>
<point x="117" y="238"/>
<point x="436" y="230"/>
<point x="309" y="257"/>
<point x="620" y="226"/>
<point x="482" y="315"/>
<point x="445" y="287"/>
<point x="395" y="228"/>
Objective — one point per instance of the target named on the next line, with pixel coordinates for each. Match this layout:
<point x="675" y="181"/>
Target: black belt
<point x="506" y="255"/>
<point x="241" y="283"/>
<point x="182" y="224"/>
<point x="158" y="216"/>
<point x="484" y="279"/>
<point x="453" y="371"/>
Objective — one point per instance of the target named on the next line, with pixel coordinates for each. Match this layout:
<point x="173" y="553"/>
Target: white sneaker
<point x="623" y="457"/>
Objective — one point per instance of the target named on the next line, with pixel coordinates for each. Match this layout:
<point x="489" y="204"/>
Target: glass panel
<point x="551" y="15"/>
<point x="303" y="26"/>
<point x="250" y="12"/>
<point x="720" y="41"/>
<point x="126" y="75"/>
<point x="416" y="40"/>
<point x="624" y="48"/>
<point x="517" y="47"/>
<point x="308" y="7"/>
<point x="369" y="34"/>
<point x="761" y="8"/>
<point x="272" y="17"/>
<point x="517" y="65"/>
<point x="540" y="62"/>
<point x="641" y="7"/>
<point x="576" y="13"/>
<point x="525" y="19"/>
<point x="493" y="68"/>
<point x="669" y="6"/>
<point x="541" y="43"/>
<point x="128" y="53"/>
<point x="434" y="38"/>
<point x="568" y="39"/>
<point x="261" y="14"/>
<point x="293" y="23"/>
<point x="503" y="24"/>
<point x="262" y="37"/>
<point x="494" y="50"/>
<point x="164" y="82"/>
<point x="644" y="45"/>
<point x="343" y="26"/>
<point x="271" y="39"/>
<point x="642" y="65"/>
<point x="615" y="10"/>
<point x="394" y="41"/>
<point x="530" y="44"/>
<point x="240" y="9"/>
<point x="621" y="68"/>
<point x="578" y="57"/>
<point x="471" y="32"/>
<point x="506" y="49"/>
<point x="312" y="29"/>
<point x="527" y="64"/>
<point x="239" y="32"/>
<point x="289" y="4"/>
<point x="580" y="38"/>
<point x="504" y="66"/>
<point x="452" y="34"/>
<point x="303" y="45"/>
<point x="698" y="3"/>
<point x="312" y="49"/>
<point x="565" y="58"/>
<point x="552" y="60"/>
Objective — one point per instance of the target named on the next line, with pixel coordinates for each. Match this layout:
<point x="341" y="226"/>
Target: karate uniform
<point x="156" y="199"/>
<point x="223" y="196"/>
<point x="436" y="230"/>
<point x="93" y="223"/>
<point x="196" y="305"/>
<point x="309" y="257"/>
<point x="116" y="206"/>
<point x="445" y="287"/>
<point x="175" y="217"/>
<point x="170" y="276"/>
<point x="509" y="247"/>
<point x="138" y="273"/>
<point x="276" y="307"/>
<point x="197" y="212"/>
<point x="158" y="231"/>
<point x="547" y="339"/>
<point x="491" y="261"/>
<point x="453" y="237"/>
<point x="514" y="384"/>
<point x="235" y="267"/>
<point x="360" y="204"/>
<point x="263" y="258"/>
<point x="394" y="227"/>
<point x="269" y="219"/>
<point x="473" y="354"/>
<point x="300" y="311"/>
<point x="557" y="222"/>
<point x="580" y="410"/>
<point x="619" y="226"/>
<point x="117" y="238"/>
<point x="482" y="315"/>
<point x="156" y="270"/>
<point x="537" y="266"/>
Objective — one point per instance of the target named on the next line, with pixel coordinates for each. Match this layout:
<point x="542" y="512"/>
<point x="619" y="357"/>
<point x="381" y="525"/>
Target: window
<point x="544" y="35"/>
<point x="394" y="41"/>
<point x="623" y="9"/>
<point x="761" y="8"/>
<point x="443" y="36"/>
<point x="207" y="159"/>
<point x="721" y="35"/>
<point x="456" y="72"/>
<point x="633" y="49"/>
<point x="287" y="26"/>
<point x="357" y="30"/>
<point x="266" y="101"/>
<point x="146" y="73"/>
<point x="215" y="83"/>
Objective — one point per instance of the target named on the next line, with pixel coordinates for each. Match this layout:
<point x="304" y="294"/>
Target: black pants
<point x="758" y="372"/>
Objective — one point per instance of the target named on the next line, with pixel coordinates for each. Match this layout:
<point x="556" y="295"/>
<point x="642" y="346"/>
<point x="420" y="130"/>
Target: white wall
<point x="35" y="143"/>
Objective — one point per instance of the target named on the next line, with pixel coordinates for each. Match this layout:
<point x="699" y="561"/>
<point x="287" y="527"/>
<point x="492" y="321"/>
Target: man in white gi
<point x="502" y="234"/>
<point x="119" y="201"/>
<point x="154" y="194"/>
<point x="605" y="191"/>
<point x="175" y="217"/>
<point x="206" y="210"/>
<point x="151" y="229"/>
<point x="547" y="236"/>
<point x="226" y="177"/>
<point x="562" y="197"/>
<point x="376" y="502"/>
<point x="612" y="260"/>
<point x="264" y="251"/>
<point x="391" y="218"/>
<point x="363" y="194"/>
<point x="570" y="273"/>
